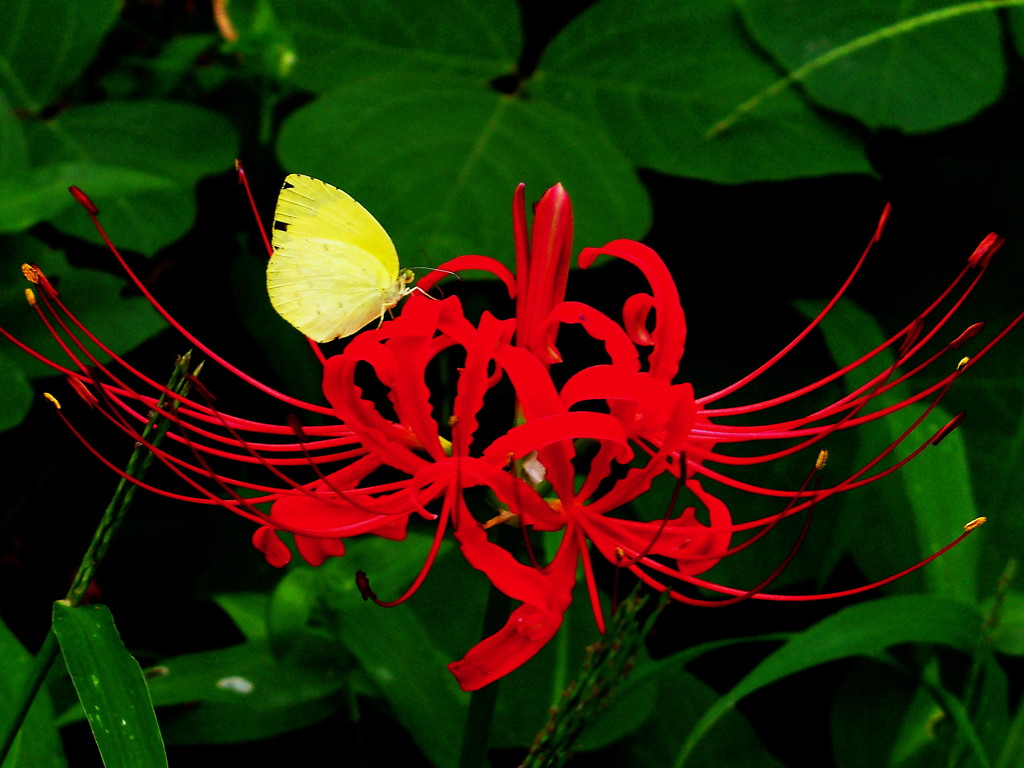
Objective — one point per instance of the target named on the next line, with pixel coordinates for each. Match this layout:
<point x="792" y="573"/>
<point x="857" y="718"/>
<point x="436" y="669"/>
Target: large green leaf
<point x="174" y="142"/>
<point x="917" y="65"/>
<point x="42" y="193"/>
<point x="337" y="43"/>
<point x="110" y="686"/>
<point x="860" y="630"/>
<point x="45" y="45"/>
<point x="436" y="160"/>
<point x="657" y="77"/>
<point x="38" y="743"/>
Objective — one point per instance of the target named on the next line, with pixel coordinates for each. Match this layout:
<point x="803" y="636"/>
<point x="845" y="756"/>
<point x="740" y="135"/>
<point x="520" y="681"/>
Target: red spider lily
<point x="566" y="462"/>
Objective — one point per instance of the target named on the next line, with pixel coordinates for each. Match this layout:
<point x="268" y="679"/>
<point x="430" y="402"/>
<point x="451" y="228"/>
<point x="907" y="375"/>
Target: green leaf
<point x="242" y="693"/>
<point x="860" y="630"/>
<point x="38" y="744"/>
<point x="14" y="158"/>
<point x="337" y="43"/>
<point x="916" y="66"/>
<point x="42" y="193"/>
<point x="110" y="686"/>
<point x="292" y="604"/>
<point x="657" y="77"/>
<point x="936" y="486"/>
<point x="45" y="45"/>
<point x="436" y="160"/>
<point x="248" y="610"/>
<point x="175" y="142"/>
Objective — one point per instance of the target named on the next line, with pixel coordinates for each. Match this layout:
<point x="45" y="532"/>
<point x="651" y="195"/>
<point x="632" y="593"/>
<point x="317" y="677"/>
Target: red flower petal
<point x="546" y="593"/>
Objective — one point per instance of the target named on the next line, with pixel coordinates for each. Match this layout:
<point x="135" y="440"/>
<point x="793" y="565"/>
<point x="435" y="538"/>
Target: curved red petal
<point x="267" y="541"/>
<point x="669" y="334"/>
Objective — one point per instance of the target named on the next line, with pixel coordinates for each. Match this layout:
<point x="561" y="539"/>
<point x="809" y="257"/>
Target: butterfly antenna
<point x="244" y="181"/>
<point x="438" y="269"/>
<point x="433" y="269"/>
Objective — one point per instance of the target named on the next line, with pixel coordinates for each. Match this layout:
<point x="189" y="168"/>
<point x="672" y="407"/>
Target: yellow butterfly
<point x="334" y="268"/>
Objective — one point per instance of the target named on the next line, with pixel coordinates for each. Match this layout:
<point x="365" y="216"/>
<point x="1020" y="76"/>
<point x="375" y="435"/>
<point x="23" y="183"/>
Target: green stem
<point x="137" y="466"/>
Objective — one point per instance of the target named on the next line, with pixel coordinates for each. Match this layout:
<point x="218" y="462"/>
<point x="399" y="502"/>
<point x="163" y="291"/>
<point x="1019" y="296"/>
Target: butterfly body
<point x="334" y="269"/>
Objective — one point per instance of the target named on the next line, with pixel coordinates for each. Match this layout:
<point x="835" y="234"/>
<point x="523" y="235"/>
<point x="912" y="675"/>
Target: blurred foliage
<point x="752" y="142"/>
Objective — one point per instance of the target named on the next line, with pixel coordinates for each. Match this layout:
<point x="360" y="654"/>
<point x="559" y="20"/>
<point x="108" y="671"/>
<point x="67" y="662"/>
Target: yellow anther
<point x="963" y="363"/>
<point x="31" y="273"/>
<point x="52" y="399"/>
<point x="30" y="297"/>
<point x="975" y="523"/>
<point x="822" y="460"/>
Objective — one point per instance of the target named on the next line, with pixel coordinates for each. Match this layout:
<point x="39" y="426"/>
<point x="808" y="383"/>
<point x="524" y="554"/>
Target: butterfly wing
<point x="334" y="268"/>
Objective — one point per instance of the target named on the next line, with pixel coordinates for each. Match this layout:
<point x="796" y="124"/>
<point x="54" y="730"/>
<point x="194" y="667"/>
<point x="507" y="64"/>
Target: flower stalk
<point x="607" y="665"/>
